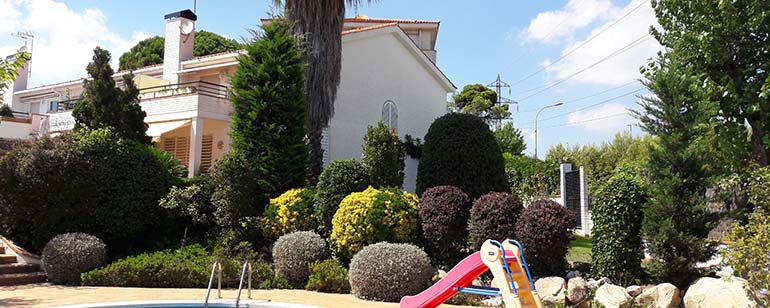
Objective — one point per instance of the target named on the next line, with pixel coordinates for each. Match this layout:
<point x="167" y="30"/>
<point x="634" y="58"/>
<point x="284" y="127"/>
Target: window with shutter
<point x="179" y="147"/>
<point x="206" y="150"/>
<point x="390" y="115"/>
<point x="325" y="146"/>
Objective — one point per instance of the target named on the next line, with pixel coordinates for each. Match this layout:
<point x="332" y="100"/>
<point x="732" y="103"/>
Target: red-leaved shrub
<point x="494" y="216"/>
<point x="444" y="215"/>
<point x="544" y="228"/>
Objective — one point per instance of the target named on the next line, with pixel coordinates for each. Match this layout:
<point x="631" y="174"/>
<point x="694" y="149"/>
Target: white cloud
<point x="547" y="27"/>
<point x="609" y="117"/>
<point x="64" y="38"/>
<point x="9" y="16"/>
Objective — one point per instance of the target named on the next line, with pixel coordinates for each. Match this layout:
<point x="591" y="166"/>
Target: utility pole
<point x="27" y="36"/>
<point x="498" y="85"/>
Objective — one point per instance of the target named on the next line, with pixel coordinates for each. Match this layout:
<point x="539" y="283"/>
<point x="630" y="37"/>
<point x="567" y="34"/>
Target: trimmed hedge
<point x="545" y="228"/>
<point x="294" y="251"/>
<point x="187" y="267"/>
<point x="289" y="212"/>
<point x="339" y="179"/>
<point x="493" y="216"/>
<point x="374" y="216"/>
<point x="383" y="156"/>
<point x="617" y="232"/>
<point x="461" y="151"/>
<point x="68" y="255"/>
<point x="328" y="276"/>
<point x="444" y="214"/>
<point x="388" y="272"/>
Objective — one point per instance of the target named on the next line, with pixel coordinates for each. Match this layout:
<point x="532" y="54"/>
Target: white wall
<point x="374" y="70"/>
<point x="15" y="130"/>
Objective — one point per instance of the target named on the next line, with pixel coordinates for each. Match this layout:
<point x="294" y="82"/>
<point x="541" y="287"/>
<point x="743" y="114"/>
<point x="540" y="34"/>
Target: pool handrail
<point x="240" y="284"/>
<point x="214" y="267"/>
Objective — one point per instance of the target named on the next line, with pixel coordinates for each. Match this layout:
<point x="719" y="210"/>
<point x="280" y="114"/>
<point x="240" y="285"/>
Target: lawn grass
<point x="580" y="249"/>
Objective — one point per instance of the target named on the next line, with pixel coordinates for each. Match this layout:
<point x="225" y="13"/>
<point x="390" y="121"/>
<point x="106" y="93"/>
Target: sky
<point x="586" y="54"/>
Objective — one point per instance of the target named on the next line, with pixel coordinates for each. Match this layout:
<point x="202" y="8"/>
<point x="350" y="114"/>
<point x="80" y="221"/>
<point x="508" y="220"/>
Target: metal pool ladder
<point x="240" y="285"/>
<point x="218" y="268"/>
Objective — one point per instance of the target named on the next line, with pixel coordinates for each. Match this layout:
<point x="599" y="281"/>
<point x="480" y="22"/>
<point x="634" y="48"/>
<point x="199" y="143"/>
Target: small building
<point x="389" y="74"/>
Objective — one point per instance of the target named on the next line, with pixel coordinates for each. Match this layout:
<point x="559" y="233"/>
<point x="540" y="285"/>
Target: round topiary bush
<point x="617" y="216"/>
<point x="68" y="255"/>
<point x="291" y="211"/>
<point x="493" y="216"/>
<point x="328" y="276"/>
<point x="461" y="151"/>
<point x="388" y="272"/>
<point x="374" y="216"/>
<point x="444" y="215"/>
<point x="294" y="251"/>
<point x="544" y="228"/>
<point x="339" y="179"/>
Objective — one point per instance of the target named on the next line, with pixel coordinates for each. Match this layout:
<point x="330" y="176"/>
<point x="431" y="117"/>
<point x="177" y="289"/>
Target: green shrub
<point x="92" y="182"/>
<point x="6" y="110"/>
<point x="383" y="156"/>
<point x="328" y="276"/>
<point x="493" y="216"/>
<point x="187" y="267"/>
<point x="617" y="216"/>
<point x="289" y="212"/>
<point x="294" y="251"/>
<point x="339" y="179"/>
<point x="237" y="199"/>
<point x="544" y="228"/>
<point x="192" y="206"/>
<point x="461" y="151"/>
<point x="374" y="216"/>
<point x="388" y="272"/>
<point x="68" y="255"/>
<point x="444" y="216"/>
<point x="531" y="178"/>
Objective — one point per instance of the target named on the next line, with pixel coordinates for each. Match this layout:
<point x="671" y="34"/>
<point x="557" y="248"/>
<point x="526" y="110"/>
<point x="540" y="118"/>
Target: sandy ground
<point x="46" y="295"/>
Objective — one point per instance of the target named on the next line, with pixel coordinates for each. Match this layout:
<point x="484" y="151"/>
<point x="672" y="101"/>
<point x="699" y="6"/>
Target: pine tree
<point x="269" y="117"/>
<point x="383" y="156"/>
<point x="675" y="221"/>
<point x="105" y="105"/>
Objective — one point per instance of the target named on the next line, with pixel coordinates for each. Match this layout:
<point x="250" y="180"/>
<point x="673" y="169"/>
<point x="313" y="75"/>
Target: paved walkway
<point x="46" y="295"/>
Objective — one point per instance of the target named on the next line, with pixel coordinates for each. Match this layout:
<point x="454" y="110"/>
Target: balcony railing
<point x="195" y="87"/>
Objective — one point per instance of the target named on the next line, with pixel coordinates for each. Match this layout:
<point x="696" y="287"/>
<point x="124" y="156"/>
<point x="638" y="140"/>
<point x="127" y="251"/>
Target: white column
<point x="196" y="142"/>
<point x="564" y="168"/>
<point x="585" y="217"/>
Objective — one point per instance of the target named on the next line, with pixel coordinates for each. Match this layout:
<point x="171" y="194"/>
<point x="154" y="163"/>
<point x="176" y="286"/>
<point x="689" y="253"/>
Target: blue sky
<point x="602" y="42"/>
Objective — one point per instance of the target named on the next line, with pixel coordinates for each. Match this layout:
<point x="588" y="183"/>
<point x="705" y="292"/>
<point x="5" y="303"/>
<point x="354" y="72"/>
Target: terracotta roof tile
<point x="386" y="20"/>
<point x="362" y="29"/>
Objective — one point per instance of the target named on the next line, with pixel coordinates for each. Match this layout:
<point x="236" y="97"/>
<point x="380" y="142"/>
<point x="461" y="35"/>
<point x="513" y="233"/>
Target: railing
<point x="219" y="283"/>
<point x="194" y="87"/>
<point x="240" y="285"/>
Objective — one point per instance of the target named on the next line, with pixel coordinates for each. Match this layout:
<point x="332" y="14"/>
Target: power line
<point x="588" y="96"/>
<point x="580" y="46"/>
<point x="623" y="49"/>
<point x="592" y="105"/>
<point x="581" y="122"/>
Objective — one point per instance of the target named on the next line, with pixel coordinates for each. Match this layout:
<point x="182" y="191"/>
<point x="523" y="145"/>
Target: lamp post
<point x="538" y="114"/>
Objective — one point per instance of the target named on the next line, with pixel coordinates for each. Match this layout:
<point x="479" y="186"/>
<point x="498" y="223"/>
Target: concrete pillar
<point x="585" y="213"/>
<point x="196" y="143"/>
<point x="563" y="169"/>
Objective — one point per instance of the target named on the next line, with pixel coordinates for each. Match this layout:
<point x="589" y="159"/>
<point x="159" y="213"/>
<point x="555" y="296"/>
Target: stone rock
<point x="713" y="292"/>
<point x="634" y="291"/>
<point x="593" y="284"/>
<point x="577" y="288"/>
<point x="664" y="295"/>
<point x="551" y="290"/>
<point x="572" y="274"/>
<point x="612" y="296"/>
<point x="493" y="302"/>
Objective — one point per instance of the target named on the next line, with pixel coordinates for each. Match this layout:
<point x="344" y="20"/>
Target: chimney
<point x="18" y="84"/>
<point x="180" y="40"/>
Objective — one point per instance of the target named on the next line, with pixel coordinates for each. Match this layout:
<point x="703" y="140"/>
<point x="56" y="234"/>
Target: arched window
<point x="390" y="115"/>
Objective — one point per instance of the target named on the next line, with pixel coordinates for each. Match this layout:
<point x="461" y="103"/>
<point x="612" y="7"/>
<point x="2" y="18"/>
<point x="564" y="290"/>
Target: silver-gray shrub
<point x="294" y="251"/>
<point x="388" y="272"/>
<point x="68" y="255"/>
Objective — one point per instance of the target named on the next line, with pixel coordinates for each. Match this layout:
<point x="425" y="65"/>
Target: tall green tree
<point x="9" y="69"/>
<point x="320" y="23"/>
<point x="481" y="101"/>
<point x="106" y="105"/>
<point x="383" y="156"/>
<point x="510" y="139"/>
<point x="675" y="222"/>
<point x="728" y="42"/>
<point x="269" y="108"/>
<point x="150" y="51"/>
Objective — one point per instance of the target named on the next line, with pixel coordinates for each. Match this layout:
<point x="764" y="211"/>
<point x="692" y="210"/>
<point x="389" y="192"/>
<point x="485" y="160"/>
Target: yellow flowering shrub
<point x="374" y="216"/>
<point x="289" y="212"/>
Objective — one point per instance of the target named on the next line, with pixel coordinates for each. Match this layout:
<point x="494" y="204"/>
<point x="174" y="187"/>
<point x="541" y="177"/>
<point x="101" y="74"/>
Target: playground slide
<point x="462" y="275"/>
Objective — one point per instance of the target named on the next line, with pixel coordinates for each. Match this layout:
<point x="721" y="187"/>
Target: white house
<point x="389" y="74"/>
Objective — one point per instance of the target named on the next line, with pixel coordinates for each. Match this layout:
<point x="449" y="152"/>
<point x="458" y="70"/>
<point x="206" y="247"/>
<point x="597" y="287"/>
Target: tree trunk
<point x="758" y="153"/>
<point x="316" y="156"/>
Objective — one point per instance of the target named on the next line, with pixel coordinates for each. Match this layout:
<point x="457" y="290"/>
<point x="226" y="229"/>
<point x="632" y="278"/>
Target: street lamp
<point x="536" y="115"/>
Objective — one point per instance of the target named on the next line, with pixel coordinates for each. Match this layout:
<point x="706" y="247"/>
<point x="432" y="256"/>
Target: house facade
<point x="389" y="74"/>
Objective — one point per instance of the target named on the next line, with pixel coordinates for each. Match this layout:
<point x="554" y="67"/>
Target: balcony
<point x="186" y="100"/>
<point x="204" y="88"/>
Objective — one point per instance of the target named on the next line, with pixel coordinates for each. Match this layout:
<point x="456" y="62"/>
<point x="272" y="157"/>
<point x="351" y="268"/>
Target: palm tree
<point x="320" y="22"/>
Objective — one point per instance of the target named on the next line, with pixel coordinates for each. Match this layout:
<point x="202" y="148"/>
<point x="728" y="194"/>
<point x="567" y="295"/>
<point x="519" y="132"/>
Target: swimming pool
<point x="189" y="304"/>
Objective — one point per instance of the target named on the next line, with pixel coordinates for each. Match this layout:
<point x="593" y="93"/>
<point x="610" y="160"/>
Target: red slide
<point x="462" y="275"/>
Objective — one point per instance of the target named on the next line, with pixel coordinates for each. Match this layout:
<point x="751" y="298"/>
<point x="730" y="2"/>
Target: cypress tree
<point x="105" y="105"/>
